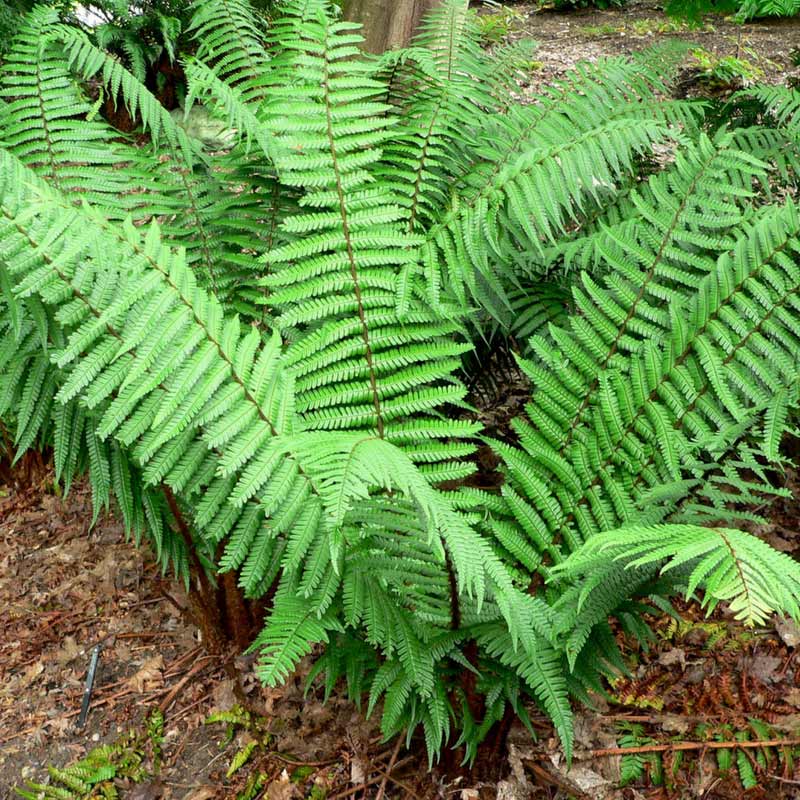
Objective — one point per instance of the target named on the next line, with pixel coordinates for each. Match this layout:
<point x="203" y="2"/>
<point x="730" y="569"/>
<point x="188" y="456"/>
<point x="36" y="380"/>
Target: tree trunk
<point x="387" y="23"/>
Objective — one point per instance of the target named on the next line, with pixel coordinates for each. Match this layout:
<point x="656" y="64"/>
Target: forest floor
<point x="566" y="37"/>
<point x="66" y="586"/>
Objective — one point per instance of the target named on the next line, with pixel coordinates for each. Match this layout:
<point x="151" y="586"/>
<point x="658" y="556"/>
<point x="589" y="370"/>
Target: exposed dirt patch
<point x="65" y="587"/>
<point x="567" y="37"/>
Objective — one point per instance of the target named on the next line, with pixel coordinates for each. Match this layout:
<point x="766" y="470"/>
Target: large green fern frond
<point x="523" y="189"/>
<point x="731" y="566"/>
<point x="231" y="38"/>
<point x="366" y="352"/>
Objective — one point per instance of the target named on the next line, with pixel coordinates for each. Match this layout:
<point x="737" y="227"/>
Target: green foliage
<point x="743" y="10"/>
<point x="258" y="739"/>
<point x="565" y="5"/>
<point x="743" y="765"/>
<point x="496" y="25"/>
<point x="271" y="326"/>
<point x="755" y="9"/>
<point x="736" y="568"/>
<point x="141" y="35"/>
<point x="722" y="71"/>
<point x="134" y="757"/>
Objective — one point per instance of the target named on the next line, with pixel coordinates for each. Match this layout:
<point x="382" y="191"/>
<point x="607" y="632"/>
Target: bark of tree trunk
<point x="387" y="23"/>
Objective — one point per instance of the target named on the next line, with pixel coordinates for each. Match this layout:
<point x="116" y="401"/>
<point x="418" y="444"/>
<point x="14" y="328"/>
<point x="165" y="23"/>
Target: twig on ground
<point x="661" y="748"/>
<point x="387" y="774"/>
<point x="198" y="667"/>
<point x="294" y="763"/>
<point x="366" y="785"/>
<point x="402" y="784"/>
<point x="184" y="711"/>
<point x="783" y="780"/>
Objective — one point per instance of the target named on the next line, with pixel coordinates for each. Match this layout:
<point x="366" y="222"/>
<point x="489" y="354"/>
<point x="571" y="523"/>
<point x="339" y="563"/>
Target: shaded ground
<point x="65" y="588"/>
<point x="566" y="37"/>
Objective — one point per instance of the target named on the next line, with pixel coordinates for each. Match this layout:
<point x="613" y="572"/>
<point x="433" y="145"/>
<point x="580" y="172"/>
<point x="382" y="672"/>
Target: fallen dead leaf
<point x="201" y="793"/>
<point x="793" y="697"/>
<point x="282" y="788"/>
<point x="26" y="679"/>
<point x="673" y="723"/>
<point x="152" y="790"/>
<point x="224" y="695"/>
<point x="765" y="668"/>
<point x="149" y="677"/>
<point x="672" y="657"/>
<point x="69" y="650"/>
<point x="788" y="630"/>
<point x="357" y="772"/>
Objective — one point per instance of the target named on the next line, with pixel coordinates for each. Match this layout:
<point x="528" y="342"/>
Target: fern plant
<point x="257" y="351"/>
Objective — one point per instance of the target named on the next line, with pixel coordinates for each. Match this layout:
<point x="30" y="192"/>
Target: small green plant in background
<point x="639" y="28"/>
<point x="155" y="735"/>
<point x="598" y="31"/>
<point x="498" y="24"/>
<point x="693" y="11"/>
<point x="256" y="735"/>
<point x="718" y="635"/>
<point x="255" y="738"/>
<point x="635" y="766"/>
<point x="140" y="39"/>
<point x="134" y="757"/>
<point x="720" y="72"/>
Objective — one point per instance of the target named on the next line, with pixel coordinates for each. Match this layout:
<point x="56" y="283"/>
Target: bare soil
<point x="567" y="37"/>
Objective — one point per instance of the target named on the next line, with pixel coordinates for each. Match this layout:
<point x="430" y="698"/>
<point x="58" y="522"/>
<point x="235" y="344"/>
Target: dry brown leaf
<point x="201" y="793"/>
<point x="149" y="677"/>
<point x="788" y="630"/>
<point x="764" y="667"/>
<point x="224" y="695"/>
<point x="282" y="788"/>
<point x="672" y="657"/>
<point x="26" y="679"/>
<point x="793" y="697"/>
<point x="69" y="650"/>
<point x="152" y="790"/>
